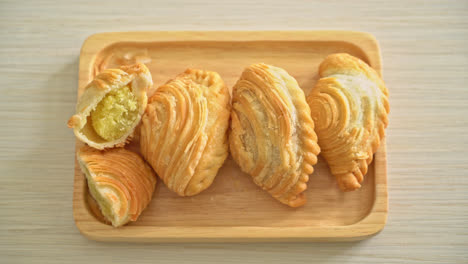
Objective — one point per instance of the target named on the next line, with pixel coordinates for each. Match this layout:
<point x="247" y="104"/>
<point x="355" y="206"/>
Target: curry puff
<point x="184" y="130"/>
<point x="349" y="105"/>
<point x="119" y="180"/>
<point x="111" y="106"/>
<point x="272" y="133"/>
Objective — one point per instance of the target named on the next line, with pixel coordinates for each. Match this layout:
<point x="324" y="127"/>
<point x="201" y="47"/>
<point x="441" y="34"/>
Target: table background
<point x="425" y="53"/>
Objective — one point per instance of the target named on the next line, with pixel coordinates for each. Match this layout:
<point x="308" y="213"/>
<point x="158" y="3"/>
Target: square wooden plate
<point x="233" y="208"/>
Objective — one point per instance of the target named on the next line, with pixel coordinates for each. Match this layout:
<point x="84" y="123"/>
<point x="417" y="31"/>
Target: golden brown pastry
<point x="183" y="132"/>
<point x="111" y="106"/>
<point x="349" y="105"/>
<point x="272" y="134"/>
<point x="119" y="180"/>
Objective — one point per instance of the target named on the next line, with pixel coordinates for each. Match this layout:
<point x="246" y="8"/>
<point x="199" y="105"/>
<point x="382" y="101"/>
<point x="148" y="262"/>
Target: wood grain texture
<point x="233" y="208"/>
<point x="424" y="49"/>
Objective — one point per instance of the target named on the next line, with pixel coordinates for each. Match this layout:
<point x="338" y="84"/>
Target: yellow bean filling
<point x="115" y="114"/>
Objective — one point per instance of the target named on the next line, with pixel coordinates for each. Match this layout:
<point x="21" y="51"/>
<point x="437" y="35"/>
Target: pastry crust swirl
<point x="350" y="107"/>
<point x="184" y="130"/>
<point x="272" y="133"/>
<point x="119" y="180"/>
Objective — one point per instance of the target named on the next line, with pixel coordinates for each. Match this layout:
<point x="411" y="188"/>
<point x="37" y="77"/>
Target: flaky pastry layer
<point x="119" y="180"/>
<point x="272" y="133"/>
<point x="184" y="130"/>
<point x="349" y="105"/>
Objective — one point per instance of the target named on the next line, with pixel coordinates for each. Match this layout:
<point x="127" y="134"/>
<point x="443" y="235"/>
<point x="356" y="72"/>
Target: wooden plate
<point x="233" y="208"/>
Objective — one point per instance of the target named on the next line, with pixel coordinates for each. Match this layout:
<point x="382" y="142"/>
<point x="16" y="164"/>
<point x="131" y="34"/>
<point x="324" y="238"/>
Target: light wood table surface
<point x="425" y="55"/>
